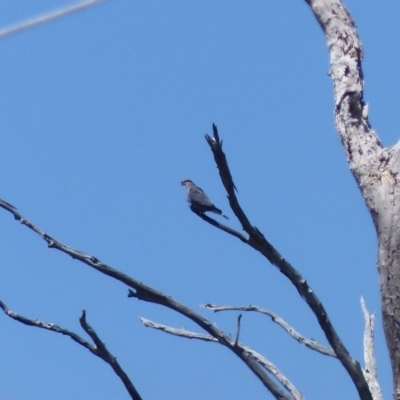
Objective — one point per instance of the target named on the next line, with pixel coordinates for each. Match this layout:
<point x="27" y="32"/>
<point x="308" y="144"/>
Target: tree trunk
<point x="375" y="168"/>
<point x="387" y="224"/>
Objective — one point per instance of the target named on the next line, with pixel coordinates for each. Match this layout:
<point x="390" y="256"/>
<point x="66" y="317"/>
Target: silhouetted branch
<point x="370" y="370"/>
<point x="104" y="354"/>
<point x="223" y="227"/>
<point x="146" y="293"/>
<point x="239" y="317"/>
<point x="260" y="243"/>
<point x="99" y="350"/>
<point x="268" y="365"/>
<point x="47" y="17"/>
<point x="226" y="177"/>
<point x="310" y="343"/>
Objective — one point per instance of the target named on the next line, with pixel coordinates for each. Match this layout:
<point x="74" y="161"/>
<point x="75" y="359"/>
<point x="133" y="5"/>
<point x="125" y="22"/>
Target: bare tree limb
<point x="104" y="354"/>
<point x="223" y="227"/>
<point x="268" y="365"/>
<point x="146" y="293"/>
<point x="261" y="244"/>
<point x="310" y="343"/>
<point x="370" y="370"/>
<point x="47" y="17"/>
<point x="48" y="326"/>
<point x="154" y="297"/>
<point x="182" y="332"/>
<point x="99" y="350"/>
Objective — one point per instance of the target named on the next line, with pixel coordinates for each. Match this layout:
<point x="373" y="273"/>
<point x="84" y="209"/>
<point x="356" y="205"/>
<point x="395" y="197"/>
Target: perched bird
<point x="198" y="200"/>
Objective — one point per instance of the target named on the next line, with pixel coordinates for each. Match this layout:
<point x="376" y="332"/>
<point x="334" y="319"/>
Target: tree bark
<point x="386" y="220"/>
<point x="375" y="168"/>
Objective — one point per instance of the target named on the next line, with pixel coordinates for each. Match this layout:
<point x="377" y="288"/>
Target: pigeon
<point x="198" y="200"/>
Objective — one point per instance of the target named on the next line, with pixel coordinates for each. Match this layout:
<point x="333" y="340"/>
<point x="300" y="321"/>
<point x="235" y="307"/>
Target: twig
<point x="268" y="365"/>
<point x="238" y="329"/>
<point x="370" y="370"/>
<point x="47" y="17"/>
<point x="99" y="350"/>
<point x="260" y="243"/>
<point x="310" y="343"/>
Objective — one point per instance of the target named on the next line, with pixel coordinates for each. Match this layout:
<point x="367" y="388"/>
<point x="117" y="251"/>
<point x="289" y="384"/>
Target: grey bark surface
<point x="375" y="168"/>
<point x="370" y="370"/>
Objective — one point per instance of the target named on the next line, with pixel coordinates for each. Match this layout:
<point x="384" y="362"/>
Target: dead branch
<point x="268" y="365"/>
<point x="223" y="227"/>
<point x="146" y="293"/>
<point x="99" y="350"/>
<point x="182" y="332"/>
<point x="310" y="343"/>
<point x="370" y="370"/>
<point x="258" y="242"/>
<point x="47" y="17"/>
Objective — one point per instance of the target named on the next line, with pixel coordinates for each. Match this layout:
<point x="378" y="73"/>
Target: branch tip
<point x="239" y="317"/>
<point x="131" y="293"/>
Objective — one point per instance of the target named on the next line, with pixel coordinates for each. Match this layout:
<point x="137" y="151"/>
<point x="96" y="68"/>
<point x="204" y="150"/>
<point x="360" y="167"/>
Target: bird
<point x="198" y="200"/>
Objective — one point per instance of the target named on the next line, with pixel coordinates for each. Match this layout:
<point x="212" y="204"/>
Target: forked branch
<point x="264" y="362"/>
<point x="310" y="343"/>
<point x="146" y="293"/>
<point x="99" y="349"/>
<point x="258" y="241"/>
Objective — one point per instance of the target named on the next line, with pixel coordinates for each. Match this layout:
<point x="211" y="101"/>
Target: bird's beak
<point x="182" y="184"/>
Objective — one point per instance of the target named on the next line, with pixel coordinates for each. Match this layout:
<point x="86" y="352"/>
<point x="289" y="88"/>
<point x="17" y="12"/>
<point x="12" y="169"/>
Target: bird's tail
<point x="218" y="211"/>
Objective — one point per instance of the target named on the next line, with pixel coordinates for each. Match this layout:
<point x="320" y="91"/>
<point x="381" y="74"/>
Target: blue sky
<point x="103" y="114"/>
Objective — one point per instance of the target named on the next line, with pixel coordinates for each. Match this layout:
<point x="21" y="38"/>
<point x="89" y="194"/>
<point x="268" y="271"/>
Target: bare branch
<point x="261" y="244"/>
<point x="223" y="227"/>
<point x="146" y="293"/>
<point x="99" y="350"/>
<point x="47" y="17"/>
<point x="268" y="365"/>
<point x="310" y="343"/>
<point x="177" y="332"/>
<point x="370" y="370"/>
<point x="105" y="355"/>
<point x="48" y="326"/>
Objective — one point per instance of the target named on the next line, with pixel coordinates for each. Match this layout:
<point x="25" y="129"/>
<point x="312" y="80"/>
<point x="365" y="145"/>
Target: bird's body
<point x="198" y="200"/>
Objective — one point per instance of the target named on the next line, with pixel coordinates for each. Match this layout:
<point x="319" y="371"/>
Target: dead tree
<point x="375" y="169"/>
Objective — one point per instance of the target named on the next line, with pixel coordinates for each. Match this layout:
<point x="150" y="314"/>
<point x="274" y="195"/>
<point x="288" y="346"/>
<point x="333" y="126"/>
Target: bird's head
<point x="186" y="182"/>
